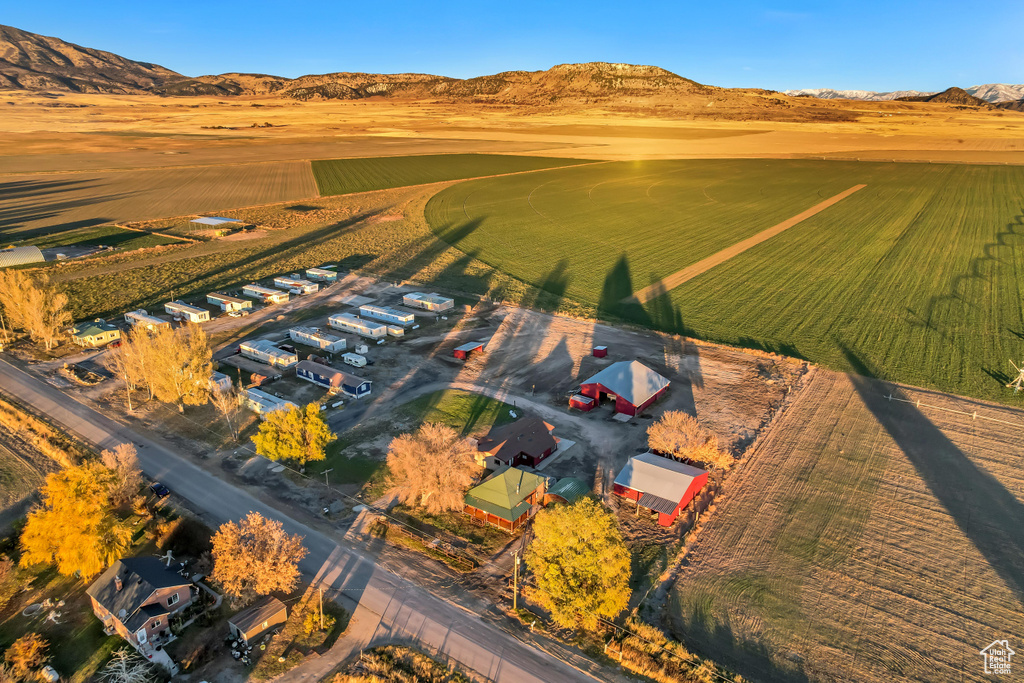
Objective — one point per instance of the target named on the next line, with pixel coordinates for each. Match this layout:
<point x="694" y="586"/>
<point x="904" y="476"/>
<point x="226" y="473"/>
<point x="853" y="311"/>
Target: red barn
<point x="660" y="484"/>
<point x="631" y="384"/>
<point x="581" y="402"/>
<point x="462" y="352"/>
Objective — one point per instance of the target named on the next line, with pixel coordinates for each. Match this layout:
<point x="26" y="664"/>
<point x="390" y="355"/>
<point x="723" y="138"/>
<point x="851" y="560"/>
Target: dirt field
<point x="863" y="540"/>
<point x="42" y="204"/>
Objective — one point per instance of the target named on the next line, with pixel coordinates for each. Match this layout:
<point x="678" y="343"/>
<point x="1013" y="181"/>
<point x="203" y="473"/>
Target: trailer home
<point x="228" y="304"/>
<point x="346" y="322"/>
<point x="335" y="380"/>
<point x="265" y="294"/>
<point x="296" y="285"/>
<point x="387" y="314"/>
<point x="313" y="336"/>
<point x="181" y="310"/>
<point x="265" y="351"/>
<point x="262" y="403"/>
<point x="434" y="303"/>
<point x="322" y="274"/>
<point x="144" y="320"/>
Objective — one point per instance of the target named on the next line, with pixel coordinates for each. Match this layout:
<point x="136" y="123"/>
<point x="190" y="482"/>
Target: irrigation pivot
<point x="1017" y="384"/>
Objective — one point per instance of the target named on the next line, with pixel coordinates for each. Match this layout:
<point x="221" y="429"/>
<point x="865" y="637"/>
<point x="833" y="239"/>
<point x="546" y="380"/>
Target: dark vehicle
<point x="160" y="490"/>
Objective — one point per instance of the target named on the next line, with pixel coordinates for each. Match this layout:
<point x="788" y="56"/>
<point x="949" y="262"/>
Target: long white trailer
<point x="322" y="274"/>
<point x="266" y="351"/>
<point x="346" y="322"/>
<point x="142" y="319"/>
<point x="265" y="294"/>
<point x="312" y="336"/>
<point x="429" y="302"/>
<point x="387" y="314"/>
<point x="228" y="303"/>
<point x="296" y="286"/>
<point x="193" y="314"/>
<point x="262" y="403"/>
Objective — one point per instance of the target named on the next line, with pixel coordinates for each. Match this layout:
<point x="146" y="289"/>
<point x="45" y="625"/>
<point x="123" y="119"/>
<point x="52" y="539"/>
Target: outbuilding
<point x="141" y="318"/>
<point x="94" y="334"/>
<point x="249" y="624"/>
<point x="428" y="302"/>
<point x="265" y="294"/>
<point x="193" y="314"/>
<point x="631" y="384"/>
<point x="506" y="499"/>
<point x="227" y="303"/>
<point x="581" y="402"/>
<point x="600" y="351"/>
<point x="462" y="352"/>
<point x="314" y="336"/>
<point x="659" y="484"/>
<point x="333" y="379"/>
<point x="19" y="256"/>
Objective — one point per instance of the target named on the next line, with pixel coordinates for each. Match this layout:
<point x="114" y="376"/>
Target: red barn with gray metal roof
<point x="631" y="384"/>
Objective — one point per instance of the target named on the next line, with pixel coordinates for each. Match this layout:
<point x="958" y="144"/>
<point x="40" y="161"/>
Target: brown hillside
<point x="1014" y="105"/>
<point x="29" y="61"/>
<point x="957" y="96"/>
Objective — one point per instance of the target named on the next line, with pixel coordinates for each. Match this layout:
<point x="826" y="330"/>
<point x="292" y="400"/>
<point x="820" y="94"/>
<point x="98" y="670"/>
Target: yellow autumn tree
<point x="26" y="654"/>
<point x="298" y="435"/>
<point x="432" y="468"/>
<point x="34" y="304"/>
<point x="255" y="557"/>
<point x="680" y="436"/>
<point x="75" y="527"/>
<point x="580" y="563"/>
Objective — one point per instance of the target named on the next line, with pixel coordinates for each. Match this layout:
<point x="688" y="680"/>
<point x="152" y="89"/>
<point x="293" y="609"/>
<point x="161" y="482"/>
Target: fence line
<point x="974" y="415"/>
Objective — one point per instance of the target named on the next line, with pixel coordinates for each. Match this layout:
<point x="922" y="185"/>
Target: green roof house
<point x="506" y="499"/>
<point x="95" y="333"/>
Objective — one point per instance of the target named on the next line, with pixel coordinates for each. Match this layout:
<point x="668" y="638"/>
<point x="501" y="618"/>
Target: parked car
<point x="160" y="490"/>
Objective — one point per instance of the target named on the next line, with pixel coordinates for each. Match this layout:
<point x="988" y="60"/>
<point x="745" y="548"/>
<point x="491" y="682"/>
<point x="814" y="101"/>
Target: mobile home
<point x="262" y="403"/>
<point x="265" y="351"/>
<point x="228" y="304"/>
<point x="142" y="319"/>
<point x="322" y="274"/>
<point x="434" y="303"/>
<point x="193" y="314"/>
<point x="312" y="336"/>
<point x="335" y="380"/>
<point x="346" y="322"/>
<point x="295" y="285"/>
<point x="265" y="294"/>
<point x="387" y="314"/>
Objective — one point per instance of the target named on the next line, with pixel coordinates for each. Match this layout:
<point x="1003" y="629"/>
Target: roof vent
<point x="117" y="583"/>
<point x="122" y="614"/>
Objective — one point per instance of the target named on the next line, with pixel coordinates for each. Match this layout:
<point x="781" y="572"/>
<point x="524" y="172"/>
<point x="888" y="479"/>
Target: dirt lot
<point x="864" y="539"/>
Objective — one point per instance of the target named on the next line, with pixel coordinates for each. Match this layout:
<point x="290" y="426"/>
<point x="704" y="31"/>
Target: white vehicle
<point x="354" y="359"/>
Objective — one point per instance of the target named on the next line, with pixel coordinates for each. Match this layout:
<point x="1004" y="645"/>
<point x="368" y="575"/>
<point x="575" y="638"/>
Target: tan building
<point x="249" y="624"/>
<point x="95" y="333"/>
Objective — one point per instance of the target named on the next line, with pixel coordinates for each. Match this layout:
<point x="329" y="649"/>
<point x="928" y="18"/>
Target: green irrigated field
<point x="347" y="176"/>
<point x="918" y="274"/>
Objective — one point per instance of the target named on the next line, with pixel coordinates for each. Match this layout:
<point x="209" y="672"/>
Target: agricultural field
<point x="347" y="176"/>
<point x="916" y="273"/>
<point x="40" y="205"/>
<point x="864" y="539"/>
<point x="119" y="239"/>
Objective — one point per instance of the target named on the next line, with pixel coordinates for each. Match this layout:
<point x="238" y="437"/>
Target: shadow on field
<point x="23" y="201"/>
<point x="989" y="516"/>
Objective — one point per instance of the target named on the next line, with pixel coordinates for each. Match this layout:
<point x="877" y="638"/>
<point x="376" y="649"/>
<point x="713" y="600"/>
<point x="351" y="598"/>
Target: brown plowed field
<point x="864" y="540"/>
<point x="43" y="203"/>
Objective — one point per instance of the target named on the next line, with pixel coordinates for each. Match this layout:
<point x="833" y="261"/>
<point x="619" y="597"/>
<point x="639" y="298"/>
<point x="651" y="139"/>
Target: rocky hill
<point x="957" y="96"/>
<point x="29" y="61"/>
<point x="1015" y="105"/>
<point x="868" y="95"/>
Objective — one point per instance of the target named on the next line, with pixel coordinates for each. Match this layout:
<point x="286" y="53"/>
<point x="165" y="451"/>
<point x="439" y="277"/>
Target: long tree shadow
<point x="987" y="513"/>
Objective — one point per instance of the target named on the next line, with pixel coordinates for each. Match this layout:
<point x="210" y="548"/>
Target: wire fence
<point x="975" y="415"/>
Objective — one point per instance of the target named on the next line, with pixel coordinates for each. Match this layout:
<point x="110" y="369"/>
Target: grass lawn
<point x="107" y="235"/>
<point x="347" y="468"/>
<point x="347" y="176"/>
<point x="470" y="413"/>
<point x="914" y="278"/>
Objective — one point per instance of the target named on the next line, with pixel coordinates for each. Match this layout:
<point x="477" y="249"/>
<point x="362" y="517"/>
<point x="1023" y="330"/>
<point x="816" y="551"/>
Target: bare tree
<point x="126" y="666"/>
<point x="432" y="468"/>
<point x="128" y="366"/>
<point x="228" y="403"/>
<point x="680" y="436"/>
<point x="124" y="460"/>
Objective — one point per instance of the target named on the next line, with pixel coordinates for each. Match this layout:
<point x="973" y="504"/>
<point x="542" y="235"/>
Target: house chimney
<point x="117" y="582"/>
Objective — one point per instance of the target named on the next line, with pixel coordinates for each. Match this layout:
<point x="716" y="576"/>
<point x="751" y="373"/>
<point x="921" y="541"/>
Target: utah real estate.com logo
<point x="997" y="657"/>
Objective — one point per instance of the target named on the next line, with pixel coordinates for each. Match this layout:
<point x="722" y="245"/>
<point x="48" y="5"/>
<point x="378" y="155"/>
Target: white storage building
<point x="228" y="303"/>
<point x="140" y="318"/>
<point x="296" y="285"/>
<point x="265" y="351"/>
<point x="346" y="322"/>
<point x="322" y="274"/>
<point x="261" y="403"/>
<point x="387" y="314"/>
<point x="193" y="314"/>
<point x="312" y="336"/>
<point x="265" y="294"/>
<point x="428" y="302"/>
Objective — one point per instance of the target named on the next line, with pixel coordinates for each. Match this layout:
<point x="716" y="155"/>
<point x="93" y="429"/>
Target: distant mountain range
<point x="990" y="92"/>
<point x="29" y="61"/>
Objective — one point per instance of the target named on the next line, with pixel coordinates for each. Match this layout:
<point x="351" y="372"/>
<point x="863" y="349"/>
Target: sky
<point x="868" y="45"/>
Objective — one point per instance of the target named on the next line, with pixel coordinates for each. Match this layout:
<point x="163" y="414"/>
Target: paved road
<point x="407" y="612"/>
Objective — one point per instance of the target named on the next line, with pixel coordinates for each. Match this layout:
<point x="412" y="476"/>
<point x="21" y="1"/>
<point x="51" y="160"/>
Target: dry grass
<point x="397" y="664"/>
<point x="47" y="440"/>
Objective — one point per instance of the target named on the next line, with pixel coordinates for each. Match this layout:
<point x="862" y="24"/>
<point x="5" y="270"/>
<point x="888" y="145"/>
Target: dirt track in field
<point x="672" y="281"/>
<point x="864" y="540"/>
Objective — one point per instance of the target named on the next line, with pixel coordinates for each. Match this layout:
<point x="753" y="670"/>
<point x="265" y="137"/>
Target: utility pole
<point x="326" y="482"/>
<point x="515" y="580"/>
<point x="321" y="608"/>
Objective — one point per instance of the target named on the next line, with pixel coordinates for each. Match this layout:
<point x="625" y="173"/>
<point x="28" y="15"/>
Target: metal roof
<point x="659" y="476"/>
<point x="17" y="256"/>
<point x="504" y="494"/>
<point x="632" y="380"/>
<point x="214" y="220"/>
<point x="91" y="328"/>
<point x="471" y="346"/>
<point x="569" y="489"/>
<point x="262" y="611"/>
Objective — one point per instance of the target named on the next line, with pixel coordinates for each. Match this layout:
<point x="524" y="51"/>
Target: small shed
<point x="566" y="490"/>
<point x="600" y="351"/>
<point x="249" y="624"/>
<point x="216" y="222"/>
<point x="19" y="256"/>
<point x="581" y="402"/>
<point x="462" y="352"/>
